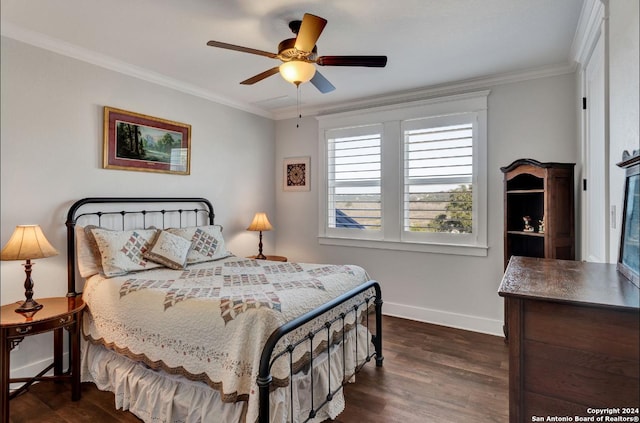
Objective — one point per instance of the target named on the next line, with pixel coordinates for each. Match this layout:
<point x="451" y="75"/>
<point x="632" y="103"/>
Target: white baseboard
<point x="444" y="318"/>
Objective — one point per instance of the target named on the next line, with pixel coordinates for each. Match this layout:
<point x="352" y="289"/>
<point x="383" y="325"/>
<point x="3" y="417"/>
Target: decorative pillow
<point x="169" y="249"/>
<point x="88" y="256"/>
<point x="122" y="251"/>
<point x="207" y="243"/>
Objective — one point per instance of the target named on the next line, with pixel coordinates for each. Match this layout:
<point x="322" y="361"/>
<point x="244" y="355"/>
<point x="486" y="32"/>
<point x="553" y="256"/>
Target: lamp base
<point x="260" y="256"/>
<point x="29" y="306"/>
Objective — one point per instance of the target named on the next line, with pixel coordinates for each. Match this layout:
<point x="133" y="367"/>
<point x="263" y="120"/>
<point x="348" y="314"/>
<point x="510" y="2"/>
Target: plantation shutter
<point x="438" y="173"/>
<point x="353" y="179"/>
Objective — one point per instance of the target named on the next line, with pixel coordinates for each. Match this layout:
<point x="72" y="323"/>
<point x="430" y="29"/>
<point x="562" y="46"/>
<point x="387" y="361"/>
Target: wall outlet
<point x="613" y="216"/>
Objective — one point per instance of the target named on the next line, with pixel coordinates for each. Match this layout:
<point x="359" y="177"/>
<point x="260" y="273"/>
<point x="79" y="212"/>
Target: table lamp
<point x="27" y="243"/>
<point x="260" y="223"/>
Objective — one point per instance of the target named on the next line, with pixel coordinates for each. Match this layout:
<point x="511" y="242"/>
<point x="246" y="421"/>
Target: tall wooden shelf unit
<point x="543" y="191"/>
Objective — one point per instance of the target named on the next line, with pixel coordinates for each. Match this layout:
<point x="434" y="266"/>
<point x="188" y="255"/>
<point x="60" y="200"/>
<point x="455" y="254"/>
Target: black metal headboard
<point x="83" y="209"/>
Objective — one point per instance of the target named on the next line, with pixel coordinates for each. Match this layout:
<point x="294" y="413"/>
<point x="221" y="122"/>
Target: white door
<point x="595" y="239"/>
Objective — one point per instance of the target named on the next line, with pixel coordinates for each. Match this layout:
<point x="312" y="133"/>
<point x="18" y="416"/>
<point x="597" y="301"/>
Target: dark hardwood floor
<point x="430" y="374"/>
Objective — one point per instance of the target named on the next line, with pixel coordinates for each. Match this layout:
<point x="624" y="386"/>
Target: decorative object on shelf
<point x="626" y="156"/>
<point x="629" y="254"/>
<point x="143" y="143"/>
<point x="296" y="174"/>
<point x="541" y="226"/>
<point x="527" y="224"/>
<point x="27" y="243"/>
<point x="260" y="223"/>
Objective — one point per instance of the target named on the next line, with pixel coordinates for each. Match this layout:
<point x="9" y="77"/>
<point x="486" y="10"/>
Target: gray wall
<point x="534" y="119"/>
<point x="51" y="155"/>
<point x="624" y="100"/>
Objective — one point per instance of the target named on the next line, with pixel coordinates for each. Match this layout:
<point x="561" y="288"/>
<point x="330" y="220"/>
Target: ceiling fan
<point x="299" y="54"/>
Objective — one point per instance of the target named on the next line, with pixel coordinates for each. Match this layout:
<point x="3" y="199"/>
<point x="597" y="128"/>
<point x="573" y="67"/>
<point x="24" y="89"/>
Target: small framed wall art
<point x="296" y="174"/>
<point x="133" y="141"/>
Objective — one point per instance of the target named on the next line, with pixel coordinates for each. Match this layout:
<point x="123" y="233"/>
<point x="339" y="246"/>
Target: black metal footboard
<point x="266" y="360"/>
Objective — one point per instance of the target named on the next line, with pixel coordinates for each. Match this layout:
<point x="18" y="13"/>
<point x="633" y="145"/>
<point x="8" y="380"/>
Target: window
<point x="438" y="177"/>
<point x="410" y="177"/>
<point x="354" y="198"/>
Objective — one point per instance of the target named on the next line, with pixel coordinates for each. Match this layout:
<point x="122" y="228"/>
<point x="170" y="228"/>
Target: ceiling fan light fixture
<point x="300" y="56"/>
<point x="297" y="71"/>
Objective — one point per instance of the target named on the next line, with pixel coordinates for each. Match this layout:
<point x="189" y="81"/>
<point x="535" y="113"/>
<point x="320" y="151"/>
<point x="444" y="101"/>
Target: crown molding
<point x="588" y="29"/>
<point x="16" y="32"/>
<point x="451" y="88"/>
<point x="474" y="100"/>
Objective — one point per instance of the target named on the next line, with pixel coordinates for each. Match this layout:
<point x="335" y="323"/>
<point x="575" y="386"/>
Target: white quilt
<point x="211" y="321"/>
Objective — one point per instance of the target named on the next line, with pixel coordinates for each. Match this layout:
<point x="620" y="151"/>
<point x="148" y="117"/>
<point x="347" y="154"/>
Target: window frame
<point x="393" y="119"/>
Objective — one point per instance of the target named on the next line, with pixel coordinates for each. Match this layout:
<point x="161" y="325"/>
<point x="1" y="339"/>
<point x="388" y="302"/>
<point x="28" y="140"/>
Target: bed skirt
<point x="156" y="396"/>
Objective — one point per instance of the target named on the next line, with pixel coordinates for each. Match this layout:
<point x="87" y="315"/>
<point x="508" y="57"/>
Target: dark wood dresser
<point x="574" y="339"/>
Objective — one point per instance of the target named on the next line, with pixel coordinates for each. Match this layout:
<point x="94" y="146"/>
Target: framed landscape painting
<point x="133" y="141"/>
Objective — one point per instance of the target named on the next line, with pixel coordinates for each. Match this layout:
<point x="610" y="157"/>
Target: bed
<point x="180" y="329"/>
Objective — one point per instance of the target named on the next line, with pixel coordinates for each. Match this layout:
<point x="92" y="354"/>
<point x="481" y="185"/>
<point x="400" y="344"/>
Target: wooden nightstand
<point x="272" y="258"/>
<point x="57" y="313"/>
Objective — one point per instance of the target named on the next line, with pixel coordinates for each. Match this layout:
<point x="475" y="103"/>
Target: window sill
<point x="421" y="247"/>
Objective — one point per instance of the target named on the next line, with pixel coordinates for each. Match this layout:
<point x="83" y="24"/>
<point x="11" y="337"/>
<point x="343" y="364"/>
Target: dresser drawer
<point x="611" y="332"/>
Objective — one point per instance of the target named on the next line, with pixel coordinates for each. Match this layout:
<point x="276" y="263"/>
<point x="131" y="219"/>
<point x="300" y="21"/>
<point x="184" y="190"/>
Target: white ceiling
<point x="428" y="42"/>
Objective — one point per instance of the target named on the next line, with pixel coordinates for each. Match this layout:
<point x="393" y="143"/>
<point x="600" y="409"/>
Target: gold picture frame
<point x="133" y="141"/>
<point x="296" y="174"/>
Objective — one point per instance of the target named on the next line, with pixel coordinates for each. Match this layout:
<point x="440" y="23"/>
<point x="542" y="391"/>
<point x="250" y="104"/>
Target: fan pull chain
<point x="298" y="97"/>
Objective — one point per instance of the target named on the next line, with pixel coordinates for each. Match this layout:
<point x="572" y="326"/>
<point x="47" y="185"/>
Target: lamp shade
<point x="260" y="223"/>
<point x="27" y="242"/>
<point x="297" y="71"/>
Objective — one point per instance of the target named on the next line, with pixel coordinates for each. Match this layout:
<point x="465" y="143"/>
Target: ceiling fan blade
<point x="242" y="49"/>
<point x="321" y="83"/>
<point x="367" y="61"/>
<point x="309" y="32"/>
<point x="259" y="77"/>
